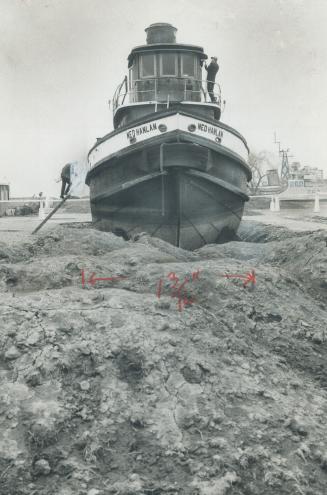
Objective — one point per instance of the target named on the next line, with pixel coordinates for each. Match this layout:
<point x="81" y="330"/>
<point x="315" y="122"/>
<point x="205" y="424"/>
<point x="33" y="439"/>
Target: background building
<point x="305" y="176"/>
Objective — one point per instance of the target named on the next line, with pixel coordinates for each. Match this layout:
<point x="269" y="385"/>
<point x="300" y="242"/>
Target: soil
<point x="170" y="378"/>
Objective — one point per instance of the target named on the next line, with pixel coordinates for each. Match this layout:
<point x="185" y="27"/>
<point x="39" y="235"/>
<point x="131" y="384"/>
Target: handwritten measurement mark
<point x="178" y="290"/>
<point x="93" y="279"/>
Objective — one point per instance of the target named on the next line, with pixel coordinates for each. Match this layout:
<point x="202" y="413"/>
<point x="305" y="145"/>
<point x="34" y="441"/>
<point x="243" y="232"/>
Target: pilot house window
<point x="148" y="66"/>
<point x="188" y="65"/>
<point x="168" y="64"/>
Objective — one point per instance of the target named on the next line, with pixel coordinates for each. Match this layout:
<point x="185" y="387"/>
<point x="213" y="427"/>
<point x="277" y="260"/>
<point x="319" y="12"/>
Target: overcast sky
<point x="61" y="61"/>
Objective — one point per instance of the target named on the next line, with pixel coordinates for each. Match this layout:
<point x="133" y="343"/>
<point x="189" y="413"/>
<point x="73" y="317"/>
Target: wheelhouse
<point x="162" y="74"/>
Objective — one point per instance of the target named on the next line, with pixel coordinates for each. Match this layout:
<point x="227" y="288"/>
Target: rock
<point x="66" y="466"/>
<point x="297" y="426"/>
<point x="9" y="450"/>
<point x="84" y="348"/>
<point x="85" y="385"/>
<point x="303" y="451"/>
<point x="42" y="467"/>
<point x="164" y="326"/>
<point x="33" y="378"/>
<point x="218" y="442"/>
<point x="134" y="477"/>
<point x="12" y="332"/>
<point x="33" y="338"/>
<point x="73" y="267"/>
<point x="218" y="417"/>
<point x="192" y="373"/>
<point x="318" y="338"/>
<point x="132" y="262"/>
<point x="94" y="491"/>
<point x="132" y="486"/>
<point x="12" y="353"/>
<point x="162" y="304"/>
<point x="219" y="486"/>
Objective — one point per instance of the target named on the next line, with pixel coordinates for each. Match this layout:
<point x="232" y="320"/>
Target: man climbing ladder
<point x="65" y="180"/>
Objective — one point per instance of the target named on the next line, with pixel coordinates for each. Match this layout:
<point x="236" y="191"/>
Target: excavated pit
<point x="137" y="385"/>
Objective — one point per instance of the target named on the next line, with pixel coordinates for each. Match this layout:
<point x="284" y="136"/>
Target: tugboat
<point x="170" y="167"/>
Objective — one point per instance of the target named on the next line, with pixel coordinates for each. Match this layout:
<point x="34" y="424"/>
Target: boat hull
<point x="184" y="189"/>
<point x="179" y="208"/>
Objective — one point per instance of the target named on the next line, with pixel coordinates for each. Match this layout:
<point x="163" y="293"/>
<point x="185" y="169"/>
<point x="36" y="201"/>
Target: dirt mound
<point x="251" y="231"/>
<point x="139" y="368"/>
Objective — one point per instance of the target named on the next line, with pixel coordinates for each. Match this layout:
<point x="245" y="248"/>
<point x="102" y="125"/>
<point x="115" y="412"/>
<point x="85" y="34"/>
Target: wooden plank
<point x="50" y="215"/>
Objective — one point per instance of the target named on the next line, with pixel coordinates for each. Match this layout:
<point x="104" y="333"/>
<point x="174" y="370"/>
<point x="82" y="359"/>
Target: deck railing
<point x="166" y="90"/>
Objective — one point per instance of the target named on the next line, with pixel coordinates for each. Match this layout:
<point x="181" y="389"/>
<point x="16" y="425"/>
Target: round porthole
<point x="162" y="128"/>
<point x="191" y="127"/>
<point x="218" y="140"/>
<point x="132" y="140"/>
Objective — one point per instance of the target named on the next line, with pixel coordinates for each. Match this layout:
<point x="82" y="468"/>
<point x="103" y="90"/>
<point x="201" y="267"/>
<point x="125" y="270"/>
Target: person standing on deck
<point x="65" y="180"/>
<point x="212" y="70"/>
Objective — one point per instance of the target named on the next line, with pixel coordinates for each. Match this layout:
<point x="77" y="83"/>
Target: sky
<point x="61" y="61"/>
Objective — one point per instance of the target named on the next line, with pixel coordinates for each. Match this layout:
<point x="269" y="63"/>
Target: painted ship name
<point x="210" y="129"/>
<point x="144" y="129"/>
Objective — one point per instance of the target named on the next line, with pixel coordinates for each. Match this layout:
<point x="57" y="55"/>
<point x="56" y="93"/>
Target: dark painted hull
<point x="185" y="194"/>
<point x="169" y="208"/>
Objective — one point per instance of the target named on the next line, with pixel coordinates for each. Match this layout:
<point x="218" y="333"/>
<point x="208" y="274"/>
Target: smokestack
<point x="161" y="32"/>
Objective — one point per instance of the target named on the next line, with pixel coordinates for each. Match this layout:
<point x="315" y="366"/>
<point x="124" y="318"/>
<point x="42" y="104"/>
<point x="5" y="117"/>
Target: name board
<point x="190" y="125"/>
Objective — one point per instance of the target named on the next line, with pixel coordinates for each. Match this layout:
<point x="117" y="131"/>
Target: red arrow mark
<point x="248" y="277"/>
<point x="92" y="280"/>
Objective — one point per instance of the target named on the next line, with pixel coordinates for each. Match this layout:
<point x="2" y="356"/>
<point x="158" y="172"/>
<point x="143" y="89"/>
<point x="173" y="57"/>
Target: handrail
<point x="190" y="89"/>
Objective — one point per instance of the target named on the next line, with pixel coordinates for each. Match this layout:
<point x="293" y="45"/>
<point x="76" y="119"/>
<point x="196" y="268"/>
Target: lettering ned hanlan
<point x="138" y="131"/>
<point x="132" y="133"/>
<point x="210" y="129"/>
